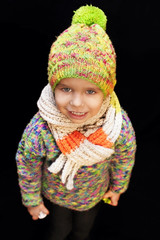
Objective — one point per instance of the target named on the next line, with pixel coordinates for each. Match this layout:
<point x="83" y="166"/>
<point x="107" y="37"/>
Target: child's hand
<point x="114" y="197"/>
<point x="35" y="211"/>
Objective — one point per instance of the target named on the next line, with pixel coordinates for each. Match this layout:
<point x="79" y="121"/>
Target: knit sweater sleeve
<point x="124" y="157"/>
<point x="29" y="159"/>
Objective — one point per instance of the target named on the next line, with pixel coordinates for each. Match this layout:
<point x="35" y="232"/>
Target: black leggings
<point x="67" y="224"/>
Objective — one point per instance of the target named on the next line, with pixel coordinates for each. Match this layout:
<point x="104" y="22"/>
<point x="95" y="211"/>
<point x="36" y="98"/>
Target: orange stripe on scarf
<point x="73" y="140"/>
<point x="100" y="138"/>
<point x="70" y="142"/>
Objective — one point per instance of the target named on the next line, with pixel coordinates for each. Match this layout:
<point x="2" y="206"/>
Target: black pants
<point x="68" y="224"/>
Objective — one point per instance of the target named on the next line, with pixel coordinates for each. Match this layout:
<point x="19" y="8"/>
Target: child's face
<point x="78" y="99"/>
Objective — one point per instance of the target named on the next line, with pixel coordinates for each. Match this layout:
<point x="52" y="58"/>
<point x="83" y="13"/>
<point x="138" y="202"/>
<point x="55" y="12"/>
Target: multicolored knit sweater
<point x="37" y="150"/>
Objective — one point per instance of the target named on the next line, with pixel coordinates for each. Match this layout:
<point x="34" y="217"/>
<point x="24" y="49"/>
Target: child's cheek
<point x="61" y="99"/>
<point x="95" y="103"/>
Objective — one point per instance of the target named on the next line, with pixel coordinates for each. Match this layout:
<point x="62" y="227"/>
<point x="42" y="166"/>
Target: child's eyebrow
<point x="93" y="88"/>
<point x="87" y="87"/>
<point x="62" y="85"/>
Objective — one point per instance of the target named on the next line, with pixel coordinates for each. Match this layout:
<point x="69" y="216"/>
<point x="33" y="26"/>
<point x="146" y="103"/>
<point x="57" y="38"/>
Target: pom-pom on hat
<point x="85" y="51"/>
<point x="90" y="15"/>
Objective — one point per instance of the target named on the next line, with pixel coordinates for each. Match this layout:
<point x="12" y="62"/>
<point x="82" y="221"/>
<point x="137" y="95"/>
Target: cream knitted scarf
<point x="80" y="144"/>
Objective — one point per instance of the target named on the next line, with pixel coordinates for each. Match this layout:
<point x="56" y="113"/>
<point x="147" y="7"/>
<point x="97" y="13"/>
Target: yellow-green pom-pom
<point x="90" y="15"/>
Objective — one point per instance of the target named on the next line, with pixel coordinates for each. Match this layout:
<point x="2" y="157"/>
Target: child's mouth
<point x="77" y="115"/>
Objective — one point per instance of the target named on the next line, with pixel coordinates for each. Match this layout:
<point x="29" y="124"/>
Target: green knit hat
<point x="85" y="51"/>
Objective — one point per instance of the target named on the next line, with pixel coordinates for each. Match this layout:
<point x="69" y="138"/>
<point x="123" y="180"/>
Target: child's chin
<point x="78" y="120"/>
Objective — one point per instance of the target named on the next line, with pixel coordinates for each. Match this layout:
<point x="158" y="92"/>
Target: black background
<point x="27" y="30"/>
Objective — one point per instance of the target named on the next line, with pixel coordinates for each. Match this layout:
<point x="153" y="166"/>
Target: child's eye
<point x="91" y="92"/>
<point x="66" y="89"/>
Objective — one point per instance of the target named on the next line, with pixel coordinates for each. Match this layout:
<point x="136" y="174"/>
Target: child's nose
<point x="77" y="100"/>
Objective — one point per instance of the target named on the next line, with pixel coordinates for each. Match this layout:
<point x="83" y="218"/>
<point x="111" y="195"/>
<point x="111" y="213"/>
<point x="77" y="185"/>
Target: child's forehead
<point x="78" y="82"/>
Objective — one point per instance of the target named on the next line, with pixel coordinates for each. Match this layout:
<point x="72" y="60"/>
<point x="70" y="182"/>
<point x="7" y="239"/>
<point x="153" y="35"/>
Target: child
<point x="80" y="146"/>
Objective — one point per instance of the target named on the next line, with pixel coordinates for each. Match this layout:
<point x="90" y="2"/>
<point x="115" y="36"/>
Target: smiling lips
<point x="77" y="115"/>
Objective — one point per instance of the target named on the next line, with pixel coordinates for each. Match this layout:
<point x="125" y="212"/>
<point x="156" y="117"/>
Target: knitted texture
<point x="84" y="51"/>
<point x="38" y="148"/>
<point x="79" y="149"/>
